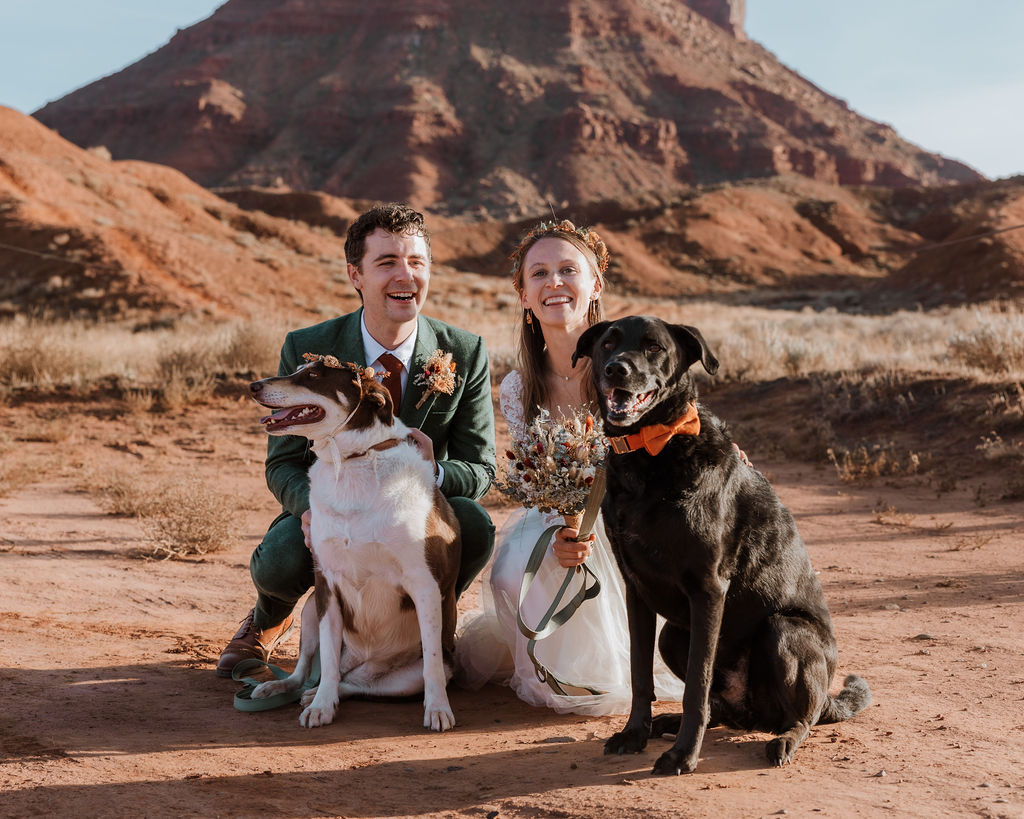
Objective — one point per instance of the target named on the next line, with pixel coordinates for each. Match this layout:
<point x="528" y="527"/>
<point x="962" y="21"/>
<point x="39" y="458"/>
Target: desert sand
<point x="112" y="708"/>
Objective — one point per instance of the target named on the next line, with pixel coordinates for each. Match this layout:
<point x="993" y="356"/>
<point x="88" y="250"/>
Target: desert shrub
<point x="994" y="347"/>
<point x="250" y="347"/>
<point x="126" y="495"/>
<point x="188" y="356"/>
<point x="181" y="388"/>
<point x="138" y="401"/>
<point x="1008" y="404"/>
<point x="40" y="353"/>
<point x="191" y="519"/>
<point x="865" y="463"/>
<point x="46" y="352"/>
<point x="994" y="448"/>
<point x="193" y="361"/>
<point x="846" y="396"/>
<point x="182" y="518"/>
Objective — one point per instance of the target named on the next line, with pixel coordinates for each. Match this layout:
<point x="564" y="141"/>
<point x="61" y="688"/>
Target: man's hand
<point x="425" y="444"/>
<point x="567" y="550"/>
<point x="307" y="516"/>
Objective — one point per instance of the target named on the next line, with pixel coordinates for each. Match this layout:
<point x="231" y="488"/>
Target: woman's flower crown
<point x="589" y="237"/>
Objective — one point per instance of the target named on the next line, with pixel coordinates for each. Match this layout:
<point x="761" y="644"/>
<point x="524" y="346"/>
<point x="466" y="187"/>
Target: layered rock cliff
<point x="476" y="106"/>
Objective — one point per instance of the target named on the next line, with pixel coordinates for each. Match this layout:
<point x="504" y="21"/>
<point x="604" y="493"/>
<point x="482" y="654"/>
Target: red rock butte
<point x="483" y="107"/>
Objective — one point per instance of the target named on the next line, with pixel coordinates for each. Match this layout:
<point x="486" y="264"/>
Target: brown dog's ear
<point x="694" y="346"/>
<point x="586" y="341"/>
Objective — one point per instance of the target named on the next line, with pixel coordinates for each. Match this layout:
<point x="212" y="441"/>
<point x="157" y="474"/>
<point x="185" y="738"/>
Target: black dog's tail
<point x="854" y="698"/>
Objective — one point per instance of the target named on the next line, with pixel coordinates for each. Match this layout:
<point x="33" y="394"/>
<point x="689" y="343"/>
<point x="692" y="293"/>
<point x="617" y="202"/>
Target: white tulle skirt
<point x="591" y="650"/>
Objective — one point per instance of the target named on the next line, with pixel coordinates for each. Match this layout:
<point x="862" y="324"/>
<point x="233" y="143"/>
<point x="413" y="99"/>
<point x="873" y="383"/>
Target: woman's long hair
<point x="533" y="364"/>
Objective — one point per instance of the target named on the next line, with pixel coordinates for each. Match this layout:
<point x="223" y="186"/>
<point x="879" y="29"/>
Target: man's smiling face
<point x="393" y="277"/>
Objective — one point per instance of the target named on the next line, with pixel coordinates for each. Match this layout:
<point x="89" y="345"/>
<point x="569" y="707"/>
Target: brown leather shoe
<point x="251" y="642"/>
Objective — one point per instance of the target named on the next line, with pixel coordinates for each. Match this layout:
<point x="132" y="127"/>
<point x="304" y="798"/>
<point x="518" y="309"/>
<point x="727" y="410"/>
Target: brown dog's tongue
<point x="280" y="415"/>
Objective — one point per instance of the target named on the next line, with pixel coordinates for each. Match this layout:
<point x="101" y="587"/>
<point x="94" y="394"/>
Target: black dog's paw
<point x="780" y="751"/>
<point x="673" y="763"/>
<point x="628" y="741"/>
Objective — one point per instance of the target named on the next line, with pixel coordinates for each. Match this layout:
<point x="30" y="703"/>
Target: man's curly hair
<point x="394" y="217"/>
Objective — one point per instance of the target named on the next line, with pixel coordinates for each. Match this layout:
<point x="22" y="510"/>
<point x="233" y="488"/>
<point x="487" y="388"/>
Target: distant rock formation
<point x="86" y="236"/>
<point x="728" y="14"/>
<point x="483" y="107"/>
<point x="81" y="235"/>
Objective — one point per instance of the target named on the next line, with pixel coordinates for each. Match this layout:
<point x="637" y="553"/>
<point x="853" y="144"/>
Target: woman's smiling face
<point x="558" y="283"/>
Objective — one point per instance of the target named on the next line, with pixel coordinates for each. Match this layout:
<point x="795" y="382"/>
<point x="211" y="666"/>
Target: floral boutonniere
<point x="438" y="376"/>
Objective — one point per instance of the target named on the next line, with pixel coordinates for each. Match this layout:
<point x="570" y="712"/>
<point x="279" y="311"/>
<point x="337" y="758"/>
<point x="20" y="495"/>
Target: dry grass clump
<point x="40" y="353"/>
<point x="864" y="463"/>
<point x="194" y="520"/>
<point x="165" y="366"/>
<point x="192" y="363"/>
<point x="994" y="448"/>
<point x="992" y="347"/>
<point x="184" y="518"/>
<point x="1007" y="405"/>
<point x="184" y="361"/>
<point x="882" y="395"/>
<point x="126" y="495"/>
<point x="757" y="344"/>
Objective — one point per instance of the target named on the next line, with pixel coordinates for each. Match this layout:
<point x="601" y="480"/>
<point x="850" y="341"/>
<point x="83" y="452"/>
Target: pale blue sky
<point x="947" y="74"/>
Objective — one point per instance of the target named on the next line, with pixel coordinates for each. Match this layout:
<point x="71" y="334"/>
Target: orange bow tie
<point x="656" y="436"/>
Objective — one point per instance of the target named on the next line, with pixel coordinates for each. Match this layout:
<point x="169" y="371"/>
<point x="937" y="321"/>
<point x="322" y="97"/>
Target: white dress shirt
<point x="403" y="352"/>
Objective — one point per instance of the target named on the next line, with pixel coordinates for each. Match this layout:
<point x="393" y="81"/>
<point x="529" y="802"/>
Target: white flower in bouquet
<point x="552" y="467"/>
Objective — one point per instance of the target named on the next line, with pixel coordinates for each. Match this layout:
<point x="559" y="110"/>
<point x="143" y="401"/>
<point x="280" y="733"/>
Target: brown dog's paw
<point x="628" y="741"/>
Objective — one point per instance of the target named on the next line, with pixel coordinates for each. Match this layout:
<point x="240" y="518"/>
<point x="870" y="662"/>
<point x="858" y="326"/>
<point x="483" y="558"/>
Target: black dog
<point x="702" y="539"/>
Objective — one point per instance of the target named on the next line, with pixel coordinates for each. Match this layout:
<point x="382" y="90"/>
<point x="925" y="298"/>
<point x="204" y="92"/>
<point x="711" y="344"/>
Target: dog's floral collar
<point x="326" y="360"/>
<point x="438" y="376"/>
<point x="653" y="438"/>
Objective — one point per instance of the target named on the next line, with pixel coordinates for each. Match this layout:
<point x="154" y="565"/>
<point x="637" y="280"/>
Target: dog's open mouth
<point x="623" y="405"/>
<point x="290" y="416"/>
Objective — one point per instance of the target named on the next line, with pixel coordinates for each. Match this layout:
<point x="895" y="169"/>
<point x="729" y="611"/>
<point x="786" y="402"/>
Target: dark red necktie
<point x="392" y="380"/>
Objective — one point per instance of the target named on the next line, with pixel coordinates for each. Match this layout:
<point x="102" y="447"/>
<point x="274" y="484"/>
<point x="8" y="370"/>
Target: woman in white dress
<point x="558" y="273"/>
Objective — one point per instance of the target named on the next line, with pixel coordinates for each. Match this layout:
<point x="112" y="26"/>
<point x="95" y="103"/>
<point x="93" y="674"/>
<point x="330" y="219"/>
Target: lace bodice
<point x="510" y="398"/>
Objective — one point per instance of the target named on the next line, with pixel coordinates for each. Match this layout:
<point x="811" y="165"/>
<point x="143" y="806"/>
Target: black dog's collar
<point x="653" y="438"/>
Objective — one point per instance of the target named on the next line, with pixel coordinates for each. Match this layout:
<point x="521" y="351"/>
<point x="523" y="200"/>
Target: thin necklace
<point x="555" y="372"/>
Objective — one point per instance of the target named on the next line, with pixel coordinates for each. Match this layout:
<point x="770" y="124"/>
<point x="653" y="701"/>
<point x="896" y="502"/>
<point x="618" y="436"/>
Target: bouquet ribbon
<point x="555" y="617"/>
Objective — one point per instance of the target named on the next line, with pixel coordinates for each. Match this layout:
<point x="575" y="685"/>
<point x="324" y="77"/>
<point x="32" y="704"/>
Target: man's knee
<point x="477" y="539"/>
<point x="281" y="566"/>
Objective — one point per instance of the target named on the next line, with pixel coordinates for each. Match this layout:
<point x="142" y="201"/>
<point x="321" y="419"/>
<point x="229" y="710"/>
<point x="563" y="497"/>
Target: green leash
<point x="555" y="617"/>
<point x="243" y="697"/>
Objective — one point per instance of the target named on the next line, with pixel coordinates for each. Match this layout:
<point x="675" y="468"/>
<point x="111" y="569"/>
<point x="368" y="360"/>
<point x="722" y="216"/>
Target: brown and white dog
<point x="385" y="546"/>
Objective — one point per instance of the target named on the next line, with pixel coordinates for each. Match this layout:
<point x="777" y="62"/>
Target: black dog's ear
<point x="695" y="347"/>
<point x="586" y="341"/>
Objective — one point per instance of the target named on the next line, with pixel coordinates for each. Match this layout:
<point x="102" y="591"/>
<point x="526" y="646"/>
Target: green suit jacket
<point x="461" y="425"/>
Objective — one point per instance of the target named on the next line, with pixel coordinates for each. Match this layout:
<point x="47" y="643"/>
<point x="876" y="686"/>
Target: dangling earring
<point x="529" y="316"/>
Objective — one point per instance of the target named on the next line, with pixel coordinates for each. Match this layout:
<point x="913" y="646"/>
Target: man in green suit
<point x="388" y="253"/>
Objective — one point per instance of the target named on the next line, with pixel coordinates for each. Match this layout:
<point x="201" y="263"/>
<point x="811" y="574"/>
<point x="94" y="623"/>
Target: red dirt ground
<point x="111" y="706"/>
